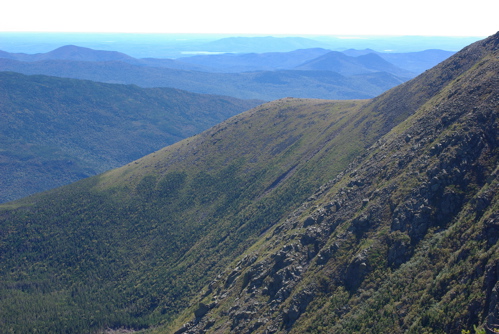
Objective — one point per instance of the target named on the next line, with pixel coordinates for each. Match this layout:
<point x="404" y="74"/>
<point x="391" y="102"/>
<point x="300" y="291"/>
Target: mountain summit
<point x="298" y="216"/>
<point x="347" y="65"/>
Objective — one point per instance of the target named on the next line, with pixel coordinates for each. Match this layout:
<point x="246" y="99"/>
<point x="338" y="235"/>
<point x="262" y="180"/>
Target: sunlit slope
<point x="128" y="248"/>
<point x="405" y="240"/>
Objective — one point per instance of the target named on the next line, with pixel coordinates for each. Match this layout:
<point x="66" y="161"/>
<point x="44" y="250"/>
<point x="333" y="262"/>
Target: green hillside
<point x="297" y="216"/>
<point x="405" y="240"/>
<point x="55" y="131"/>
<point x="130" y="247"/>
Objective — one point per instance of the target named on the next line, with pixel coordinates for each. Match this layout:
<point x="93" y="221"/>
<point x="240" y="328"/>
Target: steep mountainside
<point x="401" y="235"/>
<point x="130" y="248"/>
<point x="404" y="240"/>
<point x="55" y="131"/>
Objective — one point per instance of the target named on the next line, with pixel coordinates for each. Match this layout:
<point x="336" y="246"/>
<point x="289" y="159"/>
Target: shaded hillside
<point x="405" y="240"/>
<point x="274" y="85"/>
<point x="55" y="131"/>
<point x="207" y="196"/>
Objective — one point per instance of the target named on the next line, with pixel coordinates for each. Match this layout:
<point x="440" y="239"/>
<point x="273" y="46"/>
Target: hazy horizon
<point x="278" y="17"/>
<point x="172" y="45"/>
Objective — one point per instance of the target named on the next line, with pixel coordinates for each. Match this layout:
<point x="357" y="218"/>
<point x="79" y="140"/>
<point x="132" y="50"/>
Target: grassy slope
<point x="405" y="241"/>
<point x="130" y="247"/>
<point x="80" y="252"/>
<point x="446" y="284"/>
<point x="55" y="131"/>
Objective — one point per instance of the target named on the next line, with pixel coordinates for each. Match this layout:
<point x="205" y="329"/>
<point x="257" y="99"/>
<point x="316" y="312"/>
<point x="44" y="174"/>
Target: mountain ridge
<point x="297" y="153"/>
<point x="415" y="62"/>
<point x="223" y="74"/>
<point x="297" y="216"/>
<point x="283" y="83"/>
<point x="254" y="61"/>
<point x="390" y="244"/>
<point x="73" y="52"/>
<point x="346" y="65"/>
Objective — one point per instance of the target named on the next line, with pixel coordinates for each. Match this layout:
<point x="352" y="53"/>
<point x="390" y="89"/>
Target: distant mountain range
<point x="178" y="45"/>
<point x="416" y="62"/>
<point x="412" y="62"/>
<point x="264" y="85"/>
<point x="345" y="65"/>
<point x="250" y="62"/>
<point x="264" y="76"/>
<point x="76" y="53"/>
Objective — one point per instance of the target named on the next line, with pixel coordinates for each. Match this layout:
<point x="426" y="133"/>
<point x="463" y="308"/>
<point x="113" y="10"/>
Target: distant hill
<point x="346" y="65"/>
<point x="268" y="61"/>
<point x="71" y="52"/>
<point x="77" y="53"/>
<point x="177" y="45"/>
<point x="55" y="131"/>
<point x="356" y="53"/>
<point x="416" y="62"/>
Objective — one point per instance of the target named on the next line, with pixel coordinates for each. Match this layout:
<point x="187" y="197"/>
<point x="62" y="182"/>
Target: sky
<point x="309" y="17"/>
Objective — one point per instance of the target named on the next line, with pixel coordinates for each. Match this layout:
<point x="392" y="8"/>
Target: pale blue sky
<point x="362" y="17"/>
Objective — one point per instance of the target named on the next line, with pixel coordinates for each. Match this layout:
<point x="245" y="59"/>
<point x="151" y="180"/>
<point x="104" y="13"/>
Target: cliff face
<point x="404" y="240"/>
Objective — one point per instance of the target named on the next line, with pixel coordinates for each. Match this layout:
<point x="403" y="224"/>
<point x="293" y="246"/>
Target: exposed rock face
<point x="404" y="240"/>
